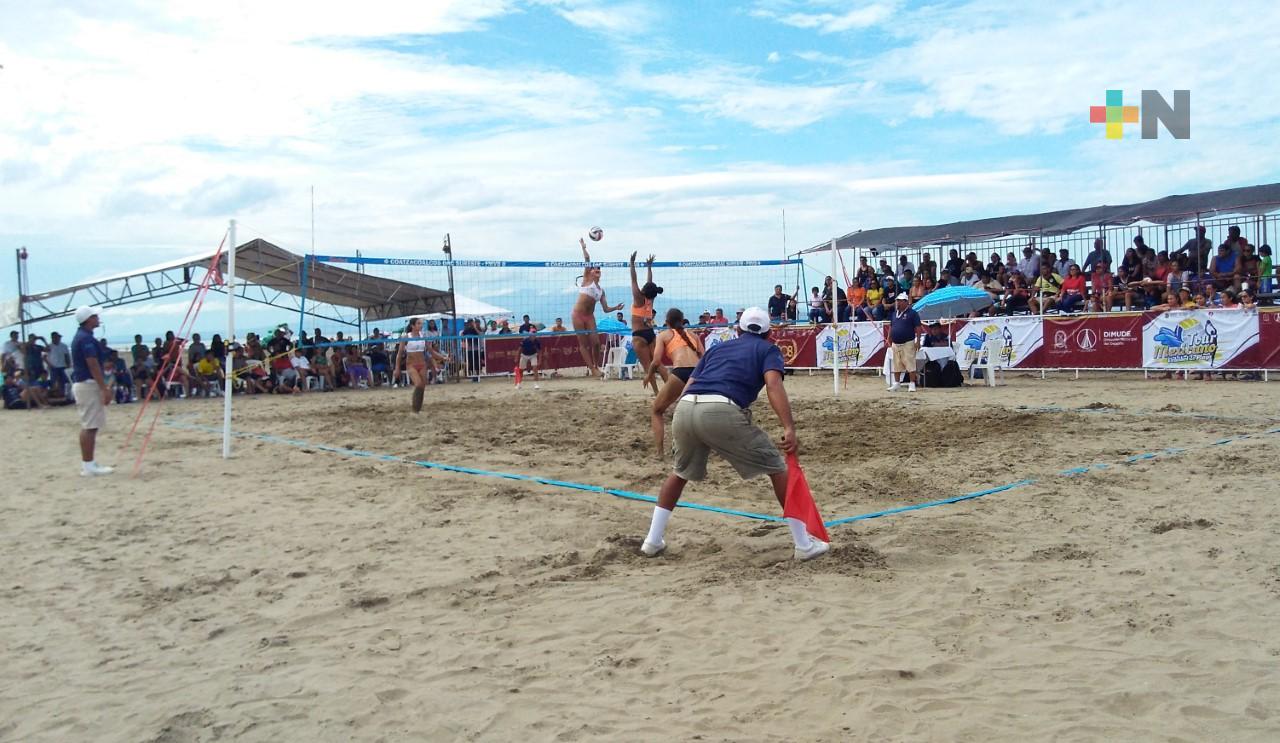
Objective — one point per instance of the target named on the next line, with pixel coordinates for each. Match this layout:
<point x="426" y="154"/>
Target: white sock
<point x="89" y="466"/>
<point x="658" y="526"/>
<point x="799" y="534"/>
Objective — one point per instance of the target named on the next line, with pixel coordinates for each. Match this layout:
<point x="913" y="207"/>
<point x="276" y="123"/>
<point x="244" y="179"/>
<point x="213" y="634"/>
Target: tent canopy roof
<point x="264" y="264"/>
<point x="1168" y="210"/>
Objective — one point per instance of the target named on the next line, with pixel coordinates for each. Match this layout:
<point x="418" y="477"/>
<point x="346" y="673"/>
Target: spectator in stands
<point x="302" y="366"/>
<point x="885" y="310"/>
<point x="1072" y="293"/>
<point x="137" y="348"/>
<point x="793" y="306"/>
<point x="219" y="349"/>
<point x="320" y="367"/>
<point x="1229" y="300"/>
<point x="969" y="277"/>
<point x="559" y="326"/>
<point x="1146" y="256"/>
<point x="885" y="269"/>
<point x="12" y="347"/>
<point x="1248" y="301"/>
<point x="316" y="338"/>
<point x="858" y="301"/>
<point x="1102" y="285"/>
<point x="1266" y="270"/>
<point x="1131" y="265"/>
<point x="527" y="326"/>
<point x="971" y="261"/>
<point x="817" y="308"/>
<point x="1029" y="266"/>
<point x="1046" y="288"/>
<point x="928" y="268"/>
<point x="354" y="367"/>
<point x="195" y="350"/>
<point x="1198" y="251"/>
<point x="865" y="272"/>
<point x="929" y="284"/>
<point x="1064" y="263"/>
<point x="1250" y="266"/>
<point x="917" y="290"/>
<point x="777" y="305"/>
<point x="891" y="288"/>
<point x="1185" y="300"/>
<point x="1011" y="264"/>
<point x="719" y="318"/>
<point x="840" y="310"/>
<point x="157" y="351"/>
<point x="905" y="270"/>
<point x="120" y="379"/>
<point x="19" y="395"/>
<point x="59" y="358"/>
<point x="1234" y="241"/>
<point x="209" y="375"/>
<point x="993" y="264"/>
<point x="1225" y="268"/>
<point x="1017" y="299"/>
<point x="954" y="264"/>
<point x="992" y="285"/>
<point x="33" y="359"/>
<point x="1099" y="254"/>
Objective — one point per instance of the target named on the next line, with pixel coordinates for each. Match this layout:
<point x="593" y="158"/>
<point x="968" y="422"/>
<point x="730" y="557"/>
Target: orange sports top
<point x="643" y="310"/>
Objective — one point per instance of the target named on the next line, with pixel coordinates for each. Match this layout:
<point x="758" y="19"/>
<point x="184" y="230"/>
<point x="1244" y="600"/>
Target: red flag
<point x="800" y="503"/>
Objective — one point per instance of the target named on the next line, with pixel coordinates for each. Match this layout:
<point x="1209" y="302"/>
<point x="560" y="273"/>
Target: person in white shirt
<point x="1029" y="266"/>
<point x="905" y="267"/>
<point x="58" y="357"/>
<point x="302" y="367"/>
<point x="1063" y="265"/>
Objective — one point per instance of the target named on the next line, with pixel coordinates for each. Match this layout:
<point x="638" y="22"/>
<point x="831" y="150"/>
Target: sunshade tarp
<point x="1168" y="210"/>
<point x="469" y="307"/>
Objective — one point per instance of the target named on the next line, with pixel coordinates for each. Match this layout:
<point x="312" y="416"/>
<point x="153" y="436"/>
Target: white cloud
<point x="613" y="19"/>
<point x="773" y="58"/>
<point x="842" y="16"/>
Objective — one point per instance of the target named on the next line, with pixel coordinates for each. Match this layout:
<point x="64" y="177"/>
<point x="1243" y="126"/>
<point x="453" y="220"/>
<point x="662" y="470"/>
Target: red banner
<point x="1091" y="342"/>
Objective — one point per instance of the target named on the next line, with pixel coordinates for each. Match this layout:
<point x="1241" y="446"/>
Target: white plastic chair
<point x="315" y="381"/>
<point x="988" y="361"/>
<point x="616" y="363"/>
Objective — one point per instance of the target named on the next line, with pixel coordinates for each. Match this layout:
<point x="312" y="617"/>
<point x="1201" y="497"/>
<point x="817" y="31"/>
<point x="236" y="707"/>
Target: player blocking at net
<point x="642" y="315"/>
<point x="714" y="416"/>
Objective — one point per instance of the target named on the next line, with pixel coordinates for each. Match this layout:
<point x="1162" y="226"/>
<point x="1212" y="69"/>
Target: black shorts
<point x="682" y="373"/>
<point x="647" y="335"/>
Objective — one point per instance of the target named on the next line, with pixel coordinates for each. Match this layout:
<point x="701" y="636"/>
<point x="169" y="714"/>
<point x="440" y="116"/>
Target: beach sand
<point x="297" y="594"/>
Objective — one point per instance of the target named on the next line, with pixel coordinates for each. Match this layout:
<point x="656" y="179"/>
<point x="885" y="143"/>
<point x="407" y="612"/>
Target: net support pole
<point x="228" y="368"/>
<point x="835" y="316"/>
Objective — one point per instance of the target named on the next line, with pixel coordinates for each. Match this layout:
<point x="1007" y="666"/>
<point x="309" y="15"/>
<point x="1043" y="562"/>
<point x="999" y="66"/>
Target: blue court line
<point x="1171" y="451"/>
<point x="625" y="494"/>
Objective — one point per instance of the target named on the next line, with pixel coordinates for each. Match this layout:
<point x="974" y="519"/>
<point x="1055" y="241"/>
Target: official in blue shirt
<point x="713" y="415"/>
<point x="903" y="324"/>
<point x="88" y="362"/>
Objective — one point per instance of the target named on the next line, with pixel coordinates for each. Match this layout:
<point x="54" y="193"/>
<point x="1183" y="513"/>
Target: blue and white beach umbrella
<point x="952" y="301"/>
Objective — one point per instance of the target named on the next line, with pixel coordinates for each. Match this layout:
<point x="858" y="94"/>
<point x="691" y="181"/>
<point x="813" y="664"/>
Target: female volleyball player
<point x="412" y="351"/>
<point x="642" y="316"/>
<point x="685" y="350"/>
<point x="584" y="313"/>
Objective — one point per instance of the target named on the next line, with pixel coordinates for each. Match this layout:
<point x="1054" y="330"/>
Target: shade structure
<point x="952" y="301"/>
<point x="470" y="307"/>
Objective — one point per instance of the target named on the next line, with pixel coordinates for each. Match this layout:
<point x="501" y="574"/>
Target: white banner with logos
<point x="1197" y="339"/>
<point x="856" y="342"/>
<point x="1011" y="339"/>
<point x="716" y="336"/>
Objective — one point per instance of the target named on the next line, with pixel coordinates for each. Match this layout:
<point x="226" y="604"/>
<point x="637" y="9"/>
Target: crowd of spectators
<point x="1236" y="274"/>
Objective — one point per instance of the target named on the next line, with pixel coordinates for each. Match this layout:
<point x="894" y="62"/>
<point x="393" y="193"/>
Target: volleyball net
<point x="500" y="294"/>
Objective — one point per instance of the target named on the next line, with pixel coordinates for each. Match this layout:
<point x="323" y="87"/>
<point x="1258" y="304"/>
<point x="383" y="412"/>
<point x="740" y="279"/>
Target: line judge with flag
<point x="714" y="415"/>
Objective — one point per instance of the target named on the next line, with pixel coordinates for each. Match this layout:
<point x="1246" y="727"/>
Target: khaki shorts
<point x="529" y="361"/>
<point x="904" y="357"/>
<point x="93" y="414"/>
<point x="700" y="428"/>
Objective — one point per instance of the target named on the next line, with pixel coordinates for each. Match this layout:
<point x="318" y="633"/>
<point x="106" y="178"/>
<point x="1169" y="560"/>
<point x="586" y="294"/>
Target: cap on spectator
<point x="84" y="313"/>
<point x="754" y="320"/>
<point x="903" y="298"/>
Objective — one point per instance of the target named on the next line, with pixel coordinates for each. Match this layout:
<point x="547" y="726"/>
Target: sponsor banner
<point x="856" y="344"/>
<point x="1092" y="342"/>
<point x="1265" y="354"/>
<point x="1016" y="341"/>
<point x="1198" y="339"/>
<point x="558" y="352"/>
<point x="796" y="344"/>
<point x="713" y="337"/>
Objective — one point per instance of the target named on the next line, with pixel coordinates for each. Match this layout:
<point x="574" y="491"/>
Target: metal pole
<point x="20" y="257"/>
<point x="229" y="368"/>
<point x="302" y="298"/>
<point x="454" y="346"/>
<point x="835" y="316"/>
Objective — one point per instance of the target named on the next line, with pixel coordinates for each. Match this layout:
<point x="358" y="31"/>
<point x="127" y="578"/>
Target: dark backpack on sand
<point x="942" y="375"/>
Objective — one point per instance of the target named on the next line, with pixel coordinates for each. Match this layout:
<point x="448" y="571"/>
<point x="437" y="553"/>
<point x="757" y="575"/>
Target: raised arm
<point x="636" y="297"/>
<point x="648" y="268"/>
<point x="586" y="257"/>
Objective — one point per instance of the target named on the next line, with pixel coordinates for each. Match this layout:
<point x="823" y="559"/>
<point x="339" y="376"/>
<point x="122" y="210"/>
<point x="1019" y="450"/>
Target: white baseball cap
<point x="903" y="297"/>
<point x="754" y="320"/>
<point x="84" y="313"/>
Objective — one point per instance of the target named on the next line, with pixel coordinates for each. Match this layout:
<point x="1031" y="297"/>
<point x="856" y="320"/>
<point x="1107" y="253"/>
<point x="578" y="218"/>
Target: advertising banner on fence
<point x="796" y="344"/>
<point x="855" y="342"/>
<point x="716" y="336"/>
<point x="1014" y="340"/>
<point x="1092" y="342"/>
<point x="1197" y="339"/>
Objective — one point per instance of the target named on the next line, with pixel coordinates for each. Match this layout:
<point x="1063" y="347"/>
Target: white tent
<point x="468" y="307"/>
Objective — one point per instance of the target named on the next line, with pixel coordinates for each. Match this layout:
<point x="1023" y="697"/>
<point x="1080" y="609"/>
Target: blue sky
<point x="132" y="131"/>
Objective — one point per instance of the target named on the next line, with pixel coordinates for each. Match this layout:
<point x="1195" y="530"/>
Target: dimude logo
<point x="1154" y="109"/>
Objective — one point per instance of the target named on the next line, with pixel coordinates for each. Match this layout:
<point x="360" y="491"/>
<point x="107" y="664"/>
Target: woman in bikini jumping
<point x="685" y="350"/>
<point x="584" y="312"/>
<point x="411" y="354"/>
<point x="642" y="317"/>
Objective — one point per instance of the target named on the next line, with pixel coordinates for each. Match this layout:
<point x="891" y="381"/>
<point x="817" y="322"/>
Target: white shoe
<point x="517" y="385"/>
<point x="537" y="386"/>
<point x="96" y="469"/>
<point x="649" y="549"/>
<point x="894" y="387"/>
<point x="911" y="387"/>
<point x="817" y="548"/>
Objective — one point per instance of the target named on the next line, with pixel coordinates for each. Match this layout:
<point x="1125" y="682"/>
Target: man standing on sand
<point x="903" y="324"/>
<point x="714" y="415"/>
<point x="90" y="389"/>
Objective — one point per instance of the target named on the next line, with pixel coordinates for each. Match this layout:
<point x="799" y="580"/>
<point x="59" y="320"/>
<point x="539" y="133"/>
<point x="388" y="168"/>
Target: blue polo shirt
<point x="530" y="346"/>
<point x="736" y="369"/>
<point x="85" y="346"/>
<point x="902" y="326"/>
